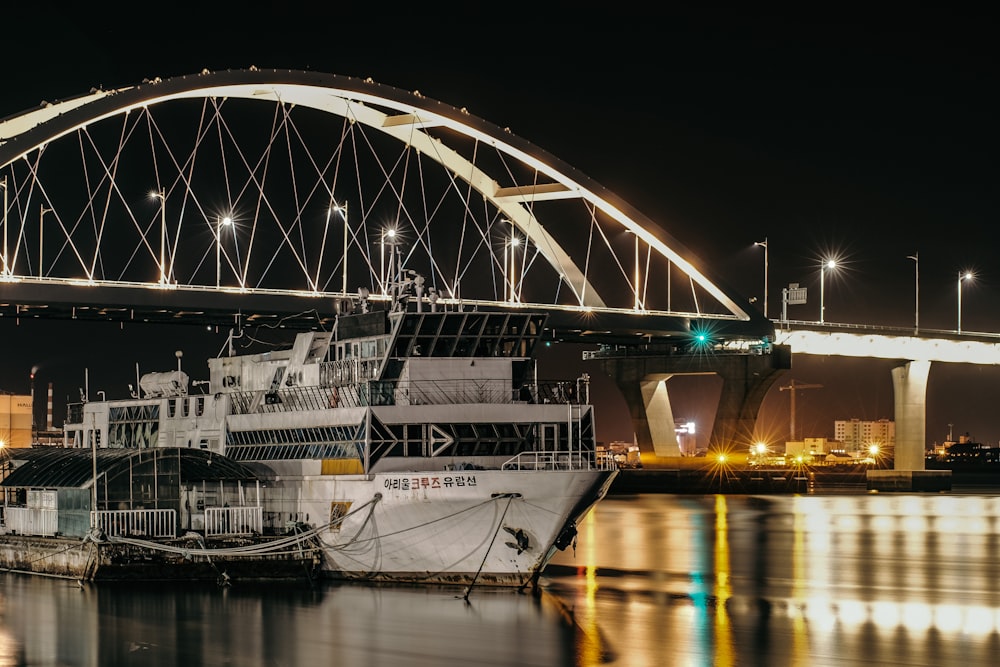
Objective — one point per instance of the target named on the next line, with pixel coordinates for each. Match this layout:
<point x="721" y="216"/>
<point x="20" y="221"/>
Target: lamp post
<point x="763" y="244"/>
<point x="383" y="270"/>
<point x="962" y="276"/>
<point x="916" y="299"/>
<point x="3" y="184"/>
<point x="510" y="290"/>
<point x="343" y="211"/>
<point x="41" y="232"/>
<point x="829" y="264"/>
<point x="515" y="243"/>
<point x="224" y="222"/>
<point x="161" y="195"/>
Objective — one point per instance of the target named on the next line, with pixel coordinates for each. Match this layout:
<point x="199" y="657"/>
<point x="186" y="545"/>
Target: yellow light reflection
<point x="591" y="650"/>
<point x="980" y="621"/>
<point x="723" y="588"/>
<point x="851" y="612"/>
<point x="800" y="632"/>
<point x="885" y="615"/>
<point x="917" y="616"/>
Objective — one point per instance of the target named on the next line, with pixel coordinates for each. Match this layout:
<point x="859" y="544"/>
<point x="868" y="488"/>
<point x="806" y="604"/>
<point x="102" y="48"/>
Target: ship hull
<point x="489" y="527"/>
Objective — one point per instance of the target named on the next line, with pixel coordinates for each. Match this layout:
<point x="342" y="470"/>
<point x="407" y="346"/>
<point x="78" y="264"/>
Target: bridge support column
<point x="659" y="416"/>
<point x="909" y="383"/>
<point x="643" y="381"/>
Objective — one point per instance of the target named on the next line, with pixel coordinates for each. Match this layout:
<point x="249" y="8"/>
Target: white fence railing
<point x="31" y="521"/>
<point x="233" y="520"/>
<point x="135" y="523"/>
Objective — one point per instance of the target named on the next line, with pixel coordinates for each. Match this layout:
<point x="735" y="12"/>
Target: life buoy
<point x="334" y="398"/>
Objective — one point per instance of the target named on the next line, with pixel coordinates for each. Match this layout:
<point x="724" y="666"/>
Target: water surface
<point x="840" y="579"/>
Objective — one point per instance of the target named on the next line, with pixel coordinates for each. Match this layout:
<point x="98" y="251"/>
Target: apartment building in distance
<point x="858" y="435"/>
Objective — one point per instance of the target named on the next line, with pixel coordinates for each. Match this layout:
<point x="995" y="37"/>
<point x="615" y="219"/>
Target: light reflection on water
<point x="792" y="580"/>
<point x="653" y="580"/>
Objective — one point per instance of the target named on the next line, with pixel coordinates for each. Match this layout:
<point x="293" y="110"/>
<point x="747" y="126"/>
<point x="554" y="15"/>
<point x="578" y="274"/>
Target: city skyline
<point x="865" y="140"/>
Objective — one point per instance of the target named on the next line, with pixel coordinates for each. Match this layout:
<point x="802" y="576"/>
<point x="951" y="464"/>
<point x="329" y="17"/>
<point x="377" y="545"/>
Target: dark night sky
<point x="869" y="137"/>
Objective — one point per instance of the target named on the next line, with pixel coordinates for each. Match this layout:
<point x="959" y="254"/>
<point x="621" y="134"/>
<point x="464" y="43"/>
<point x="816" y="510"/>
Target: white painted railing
<point x="31" y="521"/>
<point x="233" y="520"/>
<point x="135" y="523"/>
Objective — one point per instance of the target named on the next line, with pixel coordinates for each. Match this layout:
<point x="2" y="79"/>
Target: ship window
<point x="172" y="408"/>
<point x="450" y="325"/>
<point x="200" y="406"/>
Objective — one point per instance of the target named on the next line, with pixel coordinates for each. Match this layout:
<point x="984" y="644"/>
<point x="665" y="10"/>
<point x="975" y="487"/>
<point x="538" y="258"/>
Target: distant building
<point x="857" y="435"/>
<point x="624" y="454"/>
<point x="811" y="447"/>
<point x="15" y="420"/>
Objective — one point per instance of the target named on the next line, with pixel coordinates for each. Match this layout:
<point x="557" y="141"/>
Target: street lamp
<point x="343" y="211"/>
<point x="962" y="276"/>
<point x="763" y="244"/>
<point x="515" y="243"/>
<point x="391" y="235"/>
<point x="161" y="195"/>
<point x="509" y="280"/>
<point x="227" y="222"/>
<point x="41" y="231"/>
<point x="916" y="300"/>
<point x="3" y="184"/>
<point x="829" y="264"/>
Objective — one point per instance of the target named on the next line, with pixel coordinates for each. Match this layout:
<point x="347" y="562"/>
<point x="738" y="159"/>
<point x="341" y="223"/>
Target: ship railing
<point x="31" y="521"/>
<point x="135" y="523"/>
<point x="555" y="460"/>
<point x="408" y="392"/>
<point x="245" y="520"/>
<point x="349" y="371"/>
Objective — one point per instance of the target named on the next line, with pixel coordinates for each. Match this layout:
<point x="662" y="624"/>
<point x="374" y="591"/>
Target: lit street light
<point x="763" y="244"/>
<point x="962" y="276"/>
<point x="385" y="272"/>
<point x="515" y="243"/>
<point x="227" y="222"/>
<point x="511" y="279"/>
<point x="916" y="308"/>
<point x="161" y="195"/>
<point x="343" y="211"/>
<point x="829" y="264"/>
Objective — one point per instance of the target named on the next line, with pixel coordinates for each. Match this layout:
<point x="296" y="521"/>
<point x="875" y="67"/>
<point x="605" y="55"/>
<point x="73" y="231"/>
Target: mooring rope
<point x="510" y="497"/>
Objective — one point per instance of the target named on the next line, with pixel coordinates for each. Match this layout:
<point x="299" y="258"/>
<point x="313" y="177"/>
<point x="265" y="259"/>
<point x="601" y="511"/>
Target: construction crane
<point x="792" y="387"/>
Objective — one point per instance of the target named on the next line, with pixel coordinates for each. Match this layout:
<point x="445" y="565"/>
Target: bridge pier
<point x="909" y="473"/>
<point x="642" y="377"/>
<point x="909" y="384"/>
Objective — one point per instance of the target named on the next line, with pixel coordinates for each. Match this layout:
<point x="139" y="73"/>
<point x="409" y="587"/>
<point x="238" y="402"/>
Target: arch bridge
<point x="266" y="196"/>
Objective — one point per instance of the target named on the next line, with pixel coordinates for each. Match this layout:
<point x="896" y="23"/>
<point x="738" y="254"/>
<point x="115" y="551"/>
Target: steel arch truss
<point x="302" y="183"/>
